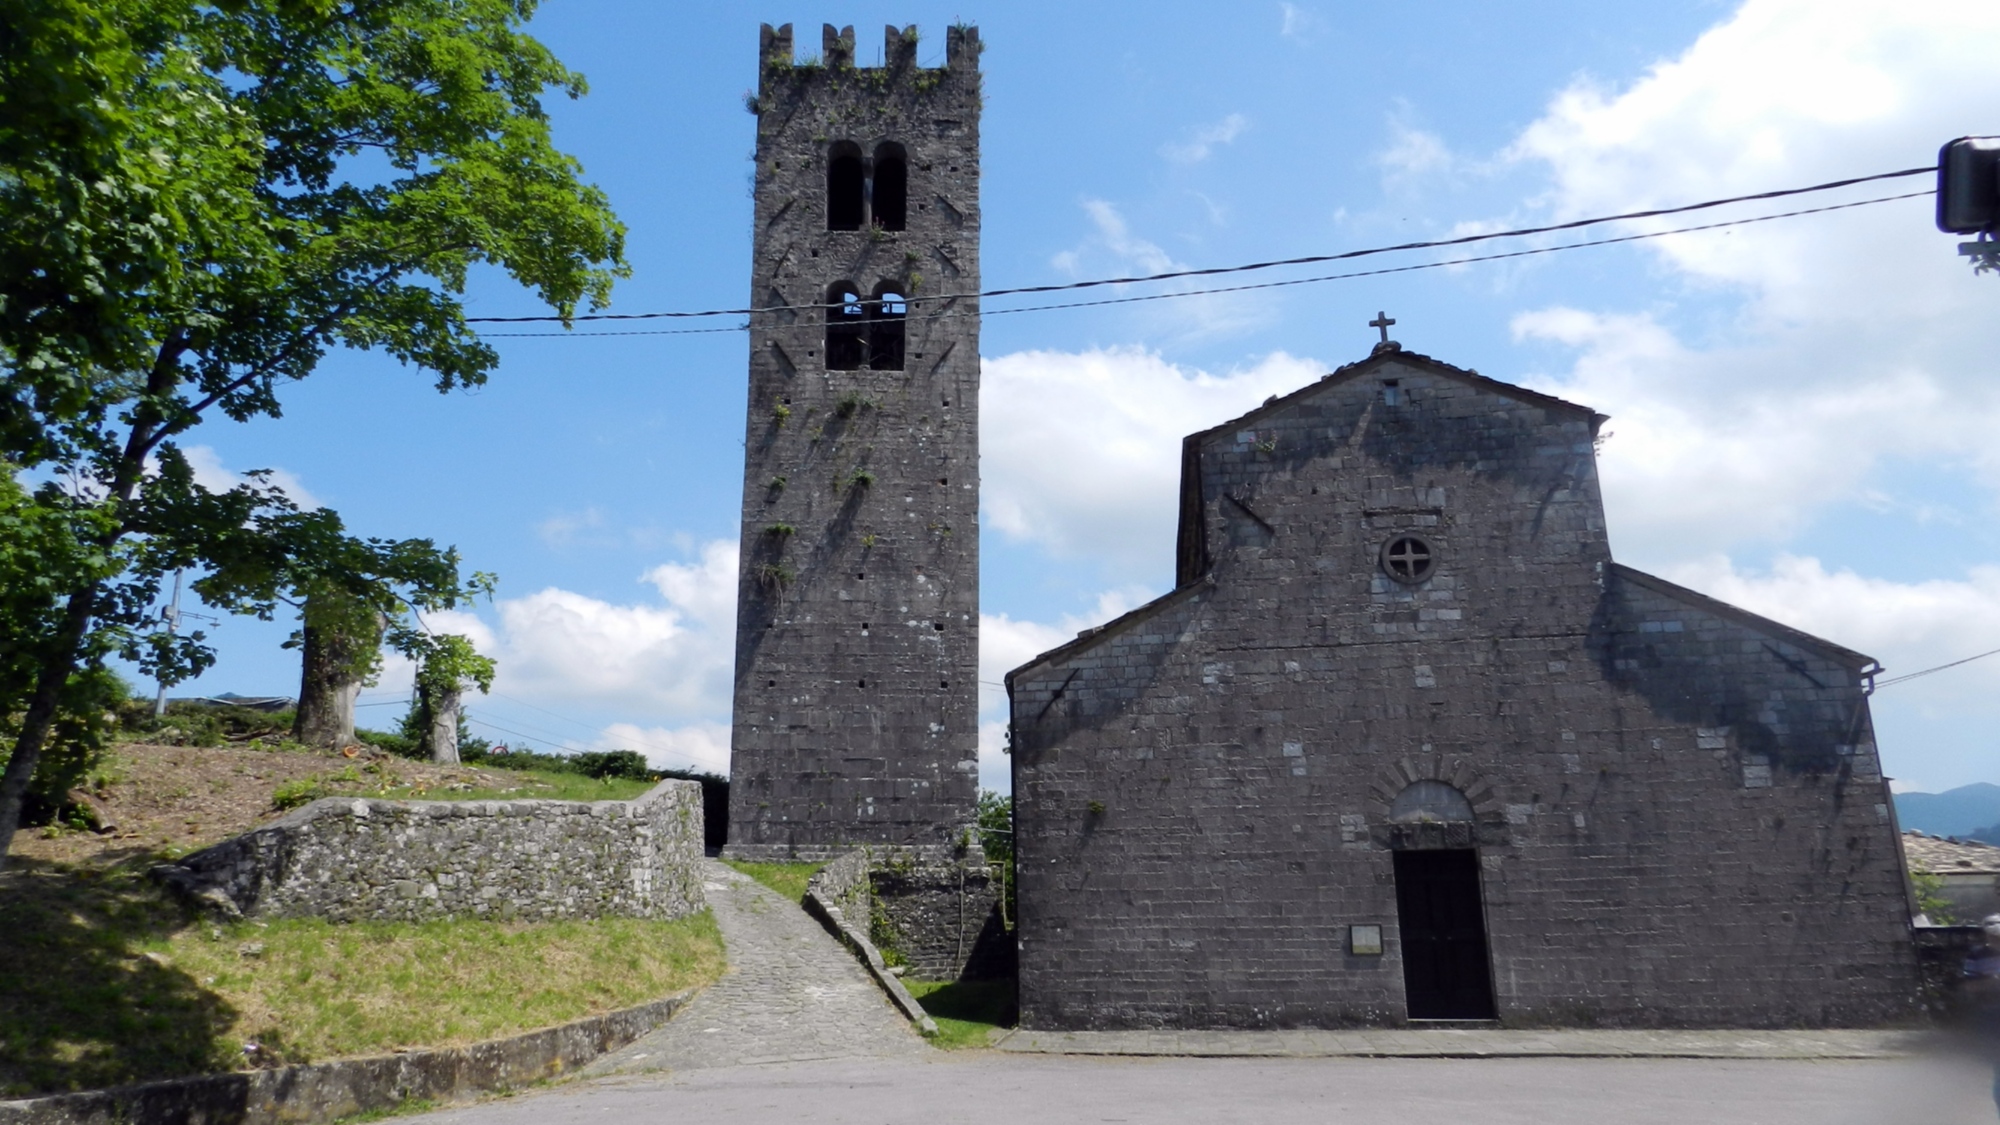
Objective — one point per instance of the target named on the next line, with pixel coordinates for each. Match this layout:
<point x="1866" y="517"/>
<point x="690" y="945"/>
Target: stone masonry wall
<point x="927" y="908"/>
<point x="932" y="907"/>
<point x="354" y="859"/>
<point x="856" y="689"/>
<point x="1677" y="807"/>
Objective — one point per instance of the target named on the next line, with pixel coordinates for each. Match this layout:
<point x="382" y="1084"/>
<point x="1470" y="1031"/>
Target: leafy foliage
<point x="1931" y="902"/>
<point x="996" y="837"/>
<point x="198" y="201"/>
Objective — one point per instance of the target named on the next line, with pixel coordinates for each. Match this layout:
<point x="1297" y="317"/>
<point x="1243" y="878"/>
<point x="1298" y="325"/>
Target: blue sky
<point x="1804" y="417"/>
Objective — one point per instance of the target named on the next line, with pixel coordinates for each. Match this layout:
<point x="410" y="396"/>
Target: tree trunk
<point x="441" y="707"/>
<point x="41" y="714"/>
<point x="340" y="642"/>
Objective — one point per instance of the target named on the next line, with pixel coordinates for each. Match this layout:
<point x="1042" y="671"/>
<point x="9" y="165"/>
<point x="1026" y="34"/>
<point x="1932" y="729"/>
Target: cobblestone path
<point x="791" y="994"/>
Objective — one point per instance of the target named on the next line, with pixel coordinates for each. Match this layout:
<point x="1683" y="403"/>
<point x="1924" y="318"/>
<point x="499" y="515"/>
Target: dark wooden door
<point x="1443" y="924"/>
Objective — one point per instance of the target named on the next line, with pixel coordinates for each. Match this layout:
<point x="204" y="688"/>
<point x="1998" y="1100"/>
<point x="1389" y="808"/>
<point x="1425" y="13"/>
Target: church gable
<point x="1410" y="497"/>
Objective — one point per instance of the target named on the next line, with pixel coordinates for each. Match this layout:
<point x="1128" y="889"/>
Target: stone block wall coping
<point x="835" y="883"/>
<point x="319" y="1092"/>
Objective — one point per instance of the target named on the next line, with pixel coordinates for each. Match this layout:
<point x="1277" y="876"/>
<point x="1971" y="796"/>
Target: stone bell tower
<point x="857" y="647"/>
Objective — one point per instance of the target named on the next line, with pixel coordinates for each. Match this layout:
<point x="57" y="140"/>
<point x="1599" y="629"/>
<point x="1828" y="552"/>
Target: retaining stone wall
<point x="355" y="859"/>
<point x="934" y="903"/>
<point x="935" y="908"/>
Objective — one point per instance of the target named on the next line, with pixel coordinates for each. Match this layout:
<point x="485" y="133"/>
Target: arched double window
<point x="861" y="193"/>
<point x="846" y="327"/>
<point x="865" y="332"/>
<point x="886" y="316"/>
<point x="889" y="192"/>
<point x="846" y="187"/>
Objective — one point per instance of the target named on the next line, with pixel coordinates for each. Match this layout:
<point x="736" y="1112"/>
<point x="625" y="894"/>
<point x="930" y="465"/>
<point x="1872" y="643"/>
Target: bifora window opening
<point x="889" y="189"/>
<point x="1408" y="559"/>
<point x="846" y="187"/>
<point x="886" y="316"/>
<point x="846" y="327"/>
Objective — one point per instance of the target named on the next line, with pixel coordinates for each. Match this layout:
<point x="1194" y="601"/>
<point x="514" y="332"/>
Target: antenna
<point x="171" y="614"/>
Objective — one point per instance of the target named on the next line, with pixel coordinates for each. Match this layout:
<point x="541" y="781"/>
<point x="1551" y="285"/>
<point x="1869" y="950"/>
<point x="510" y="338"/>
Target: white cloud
<point x="1080" y="451"/>
<point x="1115" y="235"/>
<point x="567" y="652"/>
<point x="562" y="529"/>
<point x="212" y="474"/>
<point x="1201" y="141"/>
<point x="1295" y="22"/>
<point x="1114" y="249"/>
<point x="1907" y="625"/>
<point x="701" y="746"/>
<point x="1414" y="156"/>
<point x="704" y="590"/>
<point x="1695" y="461"/>
<point x="1856" y="337"/>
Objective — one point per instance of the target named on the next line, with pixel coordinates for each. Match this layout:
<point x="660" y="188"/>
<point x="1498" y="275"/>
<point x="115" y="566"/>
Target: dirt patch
<point x="177" y="799"/>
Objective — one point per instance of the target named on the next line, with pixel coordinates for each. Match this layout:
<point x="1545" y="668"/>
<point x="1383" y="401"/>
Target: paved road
<point x="792" y="994"/>
<point x="797" y="1033"/>
<point x="992" y="1088"/>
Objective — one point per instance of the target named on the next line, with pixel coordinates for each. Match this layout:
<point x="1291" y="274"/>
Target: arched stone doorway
<point x="1440" y="909"/>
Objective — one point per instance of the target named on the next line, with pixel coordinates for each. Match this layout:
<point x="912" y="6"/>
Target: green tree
<point x="340" y="650"/>
<point x="448" y="664"/>
<point x="40" y="560"/>
<point x="197" y="201"/>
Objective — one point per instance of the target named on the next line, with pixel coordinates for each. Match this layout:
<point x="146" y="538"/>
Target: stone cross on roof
<point x="1383" y="321"/>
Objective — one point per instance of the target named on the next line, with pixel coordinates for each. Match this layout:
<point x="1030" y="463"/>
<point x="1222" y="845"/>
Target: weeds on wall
<point x="775" y="576"/>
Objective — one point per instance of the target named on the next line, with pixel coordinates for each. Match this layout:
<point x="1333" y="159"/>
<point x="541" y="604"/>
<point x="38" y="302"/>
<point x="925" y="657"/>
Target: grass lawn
<point x="386" y="781"/>
<point x="105" y="980"/>
<point x="788" y="879"/>
<point x="540" y="785"/>
<point x="965" y="1010"/>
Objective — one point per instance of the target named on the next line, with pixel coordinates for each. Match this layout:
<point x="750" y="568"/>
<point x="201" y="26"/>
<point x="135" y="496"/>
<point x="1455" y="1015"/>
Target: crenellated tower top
<point x="899" y="49"/>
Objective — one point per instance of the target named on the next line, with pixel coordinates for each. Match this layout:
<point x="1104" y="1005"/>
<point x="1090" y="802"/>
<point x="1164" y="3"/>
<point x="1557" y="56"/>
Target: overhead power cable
<point x="1211" y="271"/>
<point x="1880" y="684"/>
<point x="1179" y="293"/>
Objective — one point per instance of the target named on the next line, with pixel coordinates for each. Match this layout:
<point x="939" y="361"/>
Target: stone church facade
<point x="1405" y="743"/>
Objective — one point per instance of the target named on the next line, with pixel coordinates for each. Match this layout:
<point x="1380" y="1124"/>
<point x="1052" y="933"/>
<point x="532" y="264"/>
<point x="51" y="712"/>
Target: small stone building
<point x="1968" y="874"/>
<point x="1405" y="743"/>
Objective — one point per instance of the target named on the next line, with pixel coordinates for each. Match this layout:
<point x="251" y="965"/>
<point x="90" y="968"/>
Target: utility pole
<point x="172" y="616"/>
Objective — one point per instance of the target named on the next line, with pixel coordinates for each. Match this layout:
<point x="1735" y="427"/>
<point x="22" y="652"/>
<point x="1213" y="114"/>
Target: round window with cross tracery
<point x="1408" y="559"/>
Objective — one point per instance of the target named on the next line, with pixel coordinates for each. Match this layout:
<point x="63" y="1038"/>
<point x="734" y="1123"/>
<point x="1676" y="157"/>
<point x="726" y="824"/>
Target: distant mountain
<point x="1963" y="811"/>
